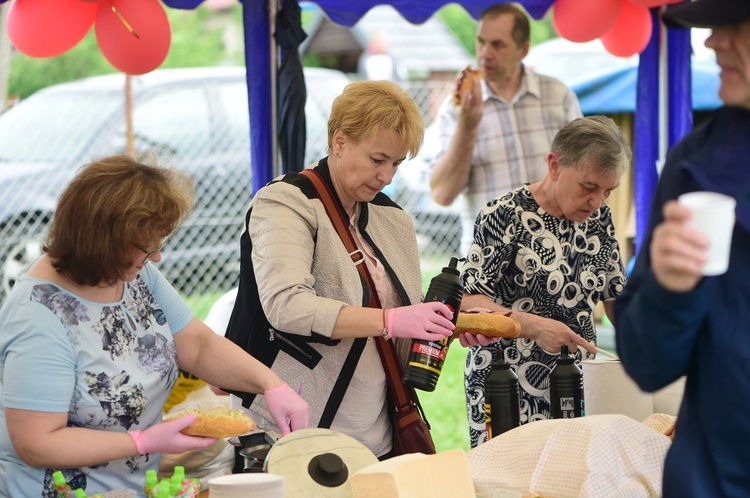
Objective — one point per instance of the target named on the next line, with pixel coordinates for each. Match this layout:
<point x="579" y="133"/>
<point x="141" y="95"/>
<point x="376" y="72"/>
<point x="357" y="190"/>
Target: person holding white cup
<point x="686" y="307"/>
<point x="712" y="214"/>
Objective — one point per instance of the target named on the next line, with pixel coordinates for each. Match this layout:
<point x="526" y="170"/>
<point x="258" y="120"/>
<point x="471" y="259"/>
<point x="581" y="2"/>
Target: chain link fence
<point x="438" y="227"/>
<point x="195" y="120"/>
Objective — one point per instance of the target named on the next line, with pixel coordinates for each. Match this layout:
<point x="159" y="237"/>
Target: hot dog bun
<point x="217" y="422"/>
<point x="488" y="324"/>
<point x="465" y="83"/>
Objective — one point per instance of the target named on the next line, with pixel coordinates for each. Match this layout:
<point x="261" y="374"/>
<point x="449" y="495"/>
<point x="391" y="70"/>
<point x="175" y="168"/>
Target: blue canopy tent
<point x="663" y="95"/>
<point x="613" y="92"/>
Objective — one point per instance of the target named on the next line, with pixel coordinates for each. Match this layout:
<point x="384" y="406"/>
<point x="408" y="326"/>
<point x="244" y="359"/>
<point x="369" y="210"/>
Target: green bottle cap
<point x="175" y="485"/>
<point x="151" y="477"/>
<point x="58" y="478"/>
<point x="80" y="493"/>
<point x="164" y="488"/>
<point x="179" y="471"/>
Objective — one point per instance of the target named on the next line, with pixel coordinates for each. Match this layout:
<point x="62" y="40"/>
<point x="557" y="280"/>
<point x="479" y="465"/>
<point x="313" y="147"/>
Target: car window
<point x="29" y="132"/>
<point x="234" y="113"/>
<point x="176" y="121"/>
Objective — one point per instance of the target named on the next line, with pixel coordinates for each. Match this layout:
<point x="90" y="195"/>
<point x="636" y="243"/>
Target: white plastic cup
<point x="713" y="214"/>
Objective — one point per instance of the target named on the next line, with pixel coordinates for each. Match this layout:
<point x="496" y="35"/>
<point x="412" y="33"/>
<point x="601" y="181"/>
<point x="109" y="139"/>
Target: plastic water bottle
<point x="502" y="399"/>
<point x="566" y="387"/>
<point x="426" y="358"/>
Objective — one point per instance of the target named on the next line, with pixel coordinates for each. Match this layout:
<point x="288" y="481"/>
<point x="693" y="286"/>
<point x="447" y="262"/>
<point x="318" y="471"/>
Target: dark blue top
<point x="704" y="333"/>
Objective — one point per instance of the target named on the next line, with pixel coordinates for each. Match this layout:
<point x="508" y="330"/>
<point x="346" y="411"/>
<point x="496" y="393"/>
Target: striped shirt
<point x="513" y="141"/>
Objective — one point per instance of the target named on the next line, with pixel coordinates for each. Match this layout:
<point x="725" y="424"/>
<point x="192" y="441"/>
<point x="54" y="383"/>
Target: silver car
<point x="197" y="121"/>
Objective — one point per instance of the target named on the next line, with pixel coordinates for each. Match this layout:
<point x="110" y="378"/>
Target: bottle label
<point x="429" y="355"/>
<point x="568" y="407"/>
<point x="432" y="349"/>
<point x="488" y="420"/>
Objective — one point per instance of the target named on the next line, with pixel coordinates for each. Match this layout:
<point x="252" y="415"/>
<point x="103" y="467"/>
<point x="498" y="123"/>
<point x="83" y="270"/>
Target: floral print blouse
<point x="110" y="366"/>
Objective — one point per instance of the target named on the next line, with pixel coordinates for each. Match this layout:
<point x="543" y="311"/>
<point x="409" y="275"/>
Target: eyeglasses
<point x="152" y="252"/>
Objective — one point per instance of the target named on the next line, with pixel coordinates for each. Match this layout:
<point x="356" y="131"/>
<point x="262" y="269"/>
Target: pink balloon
<point x="46" y="28"/>
<point x="117" y="38"/>
<point x="631" y="32"/>
<point x="584" y="20"/>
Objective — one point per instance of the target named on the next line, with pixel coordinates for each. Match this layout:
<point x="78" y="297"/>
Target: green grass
<point x="445" y="407"/>
<point x="201" y="303"/>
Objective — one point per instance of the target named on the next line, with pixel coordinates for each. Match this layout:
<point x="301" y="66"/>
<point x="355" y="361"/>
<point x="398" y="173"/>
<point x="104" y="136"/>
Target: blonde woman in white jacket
<point x="297" y="274"/>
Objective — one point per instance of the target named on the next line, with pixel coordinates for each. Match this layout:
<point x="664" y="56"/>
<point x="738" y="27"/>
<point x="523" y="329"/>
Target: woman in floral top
<point x="92" y="337"/>
<point x="548" y="252"/>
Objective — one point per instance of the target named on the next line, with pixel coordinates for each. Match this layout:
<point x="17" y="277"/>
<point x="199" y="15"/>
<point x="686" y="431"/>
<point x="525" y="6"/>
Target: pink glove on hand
<point x="427" y="321"/>
<point x="287" y="408"/>
<point x="167" y="438"/>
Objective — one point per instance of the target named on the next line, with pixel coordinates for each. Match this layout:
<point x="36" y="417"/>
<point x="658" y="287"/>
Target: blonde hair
<point x="364" y="107"/>
<point x="111" y="205"/>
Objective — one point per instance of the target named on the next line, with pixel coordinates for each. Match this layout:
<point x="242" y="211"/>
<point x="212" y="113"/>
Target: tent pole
<point x="663" y="98"/>
<point x="273" y="70"/>
<point x="647" y="130"/>
<point x="259" y="95"/>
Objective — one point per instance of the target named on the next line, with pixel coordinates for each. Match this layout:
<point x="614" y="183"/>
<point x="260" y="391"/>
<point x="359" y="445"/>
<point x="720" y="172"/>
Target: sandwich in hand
<point x="217" y="422"/>
<point x="487" y="323"/>
<point x="465" y="83"/>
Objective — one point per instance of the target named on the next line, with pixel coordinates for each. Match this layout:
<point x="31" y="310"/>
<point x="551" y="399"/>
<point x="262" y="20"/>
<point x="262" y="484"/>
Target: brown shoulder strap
<point x="386" y="349"/>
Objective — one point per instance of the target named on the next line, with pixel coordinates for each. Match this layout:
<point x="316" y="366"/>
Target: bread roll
<point x="217" y="422"/>
<point x="489" y="324"/>
<point x="465" y="83"/>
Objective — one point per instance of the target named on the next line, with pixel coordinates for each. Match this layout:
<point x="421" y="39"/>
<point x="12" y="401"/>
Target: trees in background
<point x="464" y="27"/>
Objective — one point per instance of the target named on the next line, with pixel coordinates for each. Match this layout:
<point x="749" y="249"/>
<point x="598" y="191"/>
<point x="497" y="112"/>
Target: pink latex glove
<point x="288" y="409"/>
<point x="167" y="438"/>
<point x="427" y="321"/>
<point x="468" y="340"/>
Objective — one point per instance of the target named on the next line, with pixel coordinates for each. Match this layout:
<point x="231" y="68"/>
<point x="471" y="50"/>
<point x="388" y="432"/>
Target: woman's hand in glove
<point x="427" y="321"/>
<point x="288" y="409"/>
<point x="167" y="438"/>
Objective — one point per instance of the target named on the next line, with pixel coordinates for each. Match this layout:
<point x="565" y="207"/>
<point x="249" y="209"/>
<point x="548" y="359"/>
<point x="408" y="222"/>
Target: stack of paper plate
<point x="247" y="486"/>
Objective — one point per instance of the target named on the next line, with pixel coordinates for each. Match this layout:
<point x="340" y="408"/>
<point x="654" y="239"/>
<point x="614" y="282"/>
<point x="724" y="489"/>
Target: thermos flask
<point x="426" y="358"/>
<point x="566" y="387"/>
<point x="502" y="399"/>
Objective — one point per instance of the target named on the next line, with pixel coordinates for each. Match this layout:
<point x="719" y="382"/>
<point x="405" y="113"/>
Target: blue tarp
<point x="615" y="91"/>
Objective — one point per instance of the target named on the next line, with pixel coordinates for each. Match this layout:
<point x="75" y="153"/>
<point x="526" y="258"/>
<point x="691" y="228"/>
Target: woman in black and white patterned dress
<point x="548" y="252"/>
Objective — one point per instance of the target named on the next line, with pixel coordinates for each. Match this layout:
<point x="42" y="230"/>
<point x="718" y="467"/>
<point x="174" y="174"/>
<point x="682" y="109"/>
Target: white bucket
<point x="668" y="399"/>
<point x="607" y="389"/>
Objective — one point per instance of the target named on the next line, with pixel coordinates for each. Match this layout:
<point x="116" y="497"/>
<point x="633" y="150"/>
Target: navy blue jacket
<point x="704" y="333"/>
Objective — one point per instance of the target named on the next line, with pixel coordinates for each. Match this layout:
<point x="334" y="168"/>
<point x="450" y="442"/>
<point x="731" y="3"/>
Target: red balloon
<point x="136" y="38"/>
<point x="652" y="3"/>
<point x="584" y="20"/>
<point x="46" y="28"/>
<point x="631" y="32"/>
<point x="647" y="3"/>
